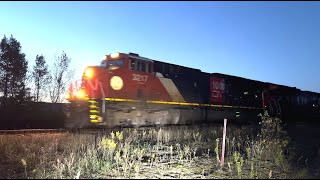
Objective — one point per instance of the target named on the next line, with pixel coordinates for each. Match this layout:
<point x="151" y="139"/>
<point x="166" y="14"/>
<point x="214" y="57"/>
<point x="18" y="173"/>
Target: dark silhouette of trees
<point x="13" y="70"/>
<point x="60" y="77"/>
<point x="16" y="108"/>
<point x="40" y="76"/>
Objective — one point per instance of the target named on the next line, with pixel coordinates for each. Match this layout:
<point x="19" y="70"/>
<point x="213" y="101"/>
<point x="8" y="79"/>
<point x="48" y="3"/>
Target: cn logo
<point x="217" y="88"/>
<point x="218" y="84"/>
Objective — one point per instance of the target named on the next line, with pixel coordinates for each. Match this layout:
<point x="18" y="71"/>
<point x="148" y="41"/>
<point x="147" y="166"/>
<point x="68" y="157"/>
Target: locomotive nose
<point x="92" y="82"/>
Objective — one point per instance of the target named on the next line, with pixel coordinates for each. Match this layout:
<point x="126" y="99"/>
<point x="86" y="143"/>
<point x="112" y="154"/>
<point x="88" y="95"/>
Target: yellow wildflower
<point x="112" y="135"/>
<point x="108" y="144"/>
<point x="119" y="135"/>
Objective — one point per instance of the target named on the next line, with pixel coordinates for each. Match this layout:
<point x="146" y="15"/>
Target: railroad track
<point x="75" y="131"/>
<point x="28" y="131"/>
<point x="83" y="131"/>
<point x="25" y="131"/>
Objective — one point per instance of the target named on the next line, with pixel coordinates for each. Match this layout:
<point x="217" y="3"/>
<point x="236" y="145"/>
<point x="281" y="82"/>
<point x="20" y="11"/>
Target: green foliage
<point x="251" y="170"/>
<point x="238" y="160"/>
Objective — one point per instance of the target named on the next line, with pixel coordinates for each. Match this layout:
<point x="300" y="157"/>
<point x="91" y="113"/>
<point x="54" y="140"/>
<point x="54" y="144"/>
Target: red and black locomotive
<point x="130" y="90"/>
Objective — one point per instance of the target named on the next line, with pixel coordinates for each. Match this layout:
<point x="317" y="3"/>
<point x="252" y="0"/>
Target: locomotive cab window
<point x="113" y="64"/>
<point x="103" y="63"/>
<point x="138" y="65"/>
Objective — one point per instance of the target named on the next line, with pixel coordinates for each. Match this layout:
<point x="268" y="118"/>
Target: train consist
<point x="130" y="90"/>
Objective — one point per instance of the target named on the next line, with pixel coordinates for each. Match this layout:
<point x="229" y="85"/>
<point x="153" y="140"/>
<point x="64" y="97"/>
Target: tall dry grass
<point x="158" y="152"/>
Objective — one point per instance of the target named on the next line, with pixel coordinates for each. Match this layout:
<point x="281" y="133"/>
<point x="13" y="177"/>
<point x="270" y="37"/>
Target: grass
<point x="159" y="152"/>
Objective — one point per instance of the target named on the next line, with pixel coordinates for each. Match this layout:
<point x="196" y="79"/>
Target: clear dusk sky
<point x="276" y="42"/>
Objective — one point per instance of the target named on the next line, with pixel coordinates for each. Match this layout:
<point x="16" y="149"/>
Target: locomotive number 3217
<point x="139" y="77"/>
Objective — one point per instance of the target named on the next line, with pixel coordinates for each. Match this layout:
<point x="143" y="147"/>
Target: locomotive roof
<point x="134" y="55"/>
<point x="255" y="80"/>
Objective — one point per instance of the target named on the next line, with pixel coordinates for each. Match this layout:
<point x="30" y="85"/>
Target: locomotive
<point x="131" y="90"/>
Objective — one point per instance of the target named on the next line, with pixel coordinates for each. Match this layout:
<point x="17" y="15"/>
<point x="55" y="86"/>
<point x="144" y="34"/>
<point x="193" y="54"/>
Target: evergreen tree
<point x="13" y="67"/>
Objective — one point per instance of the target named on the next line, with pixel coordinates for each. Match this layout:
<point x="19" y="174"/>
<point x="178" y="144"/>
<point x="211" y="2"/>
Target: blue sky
<point x="276" y="42"/>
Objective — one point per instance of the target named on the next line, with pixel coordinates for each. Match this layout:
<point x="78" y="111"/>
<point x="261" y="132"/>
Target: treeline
<point x="19" y="84"/>
<point x="23" y="89"/>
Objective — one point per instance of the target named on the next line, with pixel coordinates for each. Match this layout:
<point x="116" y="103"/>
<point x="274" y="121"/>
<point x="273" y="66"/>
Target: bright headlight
<point x="114" y="55"/>
<point x="67" y="96"/>
<point x="116" y="83"/>
<point x="80" y="94"/>
<point x="88" y="73"/>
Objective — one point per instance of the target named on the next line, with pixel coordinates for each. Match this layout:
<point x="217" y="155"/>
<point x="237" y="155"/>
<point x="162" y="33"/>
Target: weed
<point x="181" y="151"/>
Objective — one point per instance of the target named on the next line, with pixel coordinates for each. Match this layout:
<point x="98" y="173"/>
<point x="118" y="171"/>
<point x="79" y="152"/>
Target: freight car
<point x="130" y="90"/>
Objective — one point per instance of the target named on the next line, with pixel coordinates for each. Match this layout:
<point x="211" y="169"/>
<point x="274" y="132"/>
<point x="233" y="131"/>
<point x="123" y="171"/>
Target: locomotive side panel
<point x="305" y="107"/>
<point x="235" y="91"/>
<point x="280" y="101"/>
<point x="193" y="87"/>
<point x="234" y="98"/>
<point x="192" y="84"/>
